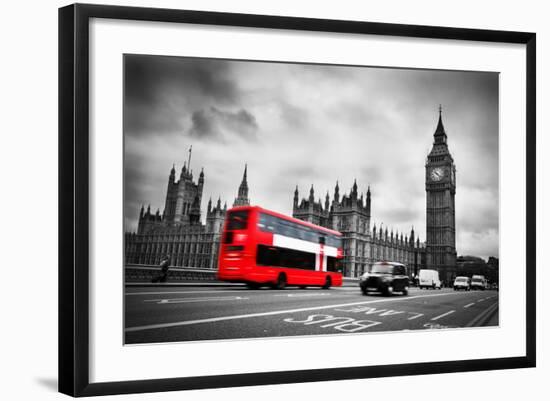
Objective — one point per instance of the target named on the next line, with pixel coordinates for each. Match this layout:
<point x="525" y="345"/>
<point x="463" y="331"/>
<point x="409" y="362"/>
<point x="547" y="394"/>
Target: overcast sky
<point x="302" y="124"/>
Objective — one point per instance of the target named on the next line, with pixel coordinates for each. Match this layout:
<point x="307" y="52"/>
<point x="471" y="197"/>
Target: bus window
<point x="334" y="264"/>
<point x="237" y="220"/>
<point x="284" y="257"/>
<point x="276" y="225"/>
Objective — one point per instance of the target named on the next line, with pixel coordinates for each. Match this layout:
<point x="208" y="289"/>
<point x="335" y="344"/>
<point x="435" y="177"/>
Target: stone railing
<point x="147" y="273"/>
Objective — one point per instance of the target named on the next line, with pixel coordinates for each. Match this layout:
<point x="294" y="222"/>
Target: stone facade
<point x="179" y="232"/>
<point x="363" y="246"/>
<point x="440" y="206"/>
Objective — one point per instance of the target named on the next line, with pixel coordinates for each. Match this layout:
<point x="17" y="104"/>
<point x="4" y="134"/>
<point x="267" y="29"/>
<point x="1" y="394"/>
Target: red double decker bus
<point x="261" y="247"/>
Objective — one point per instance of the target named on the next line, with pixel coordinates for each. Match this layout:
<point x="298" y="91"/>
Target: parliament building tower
<point x="440" y="206"/>
<point x="242" y="195"/>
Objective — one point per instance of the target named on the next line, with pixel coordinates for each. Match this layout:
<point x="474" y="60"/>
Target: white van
<point x="478" y="282"/>
<point x="429" y="279"/>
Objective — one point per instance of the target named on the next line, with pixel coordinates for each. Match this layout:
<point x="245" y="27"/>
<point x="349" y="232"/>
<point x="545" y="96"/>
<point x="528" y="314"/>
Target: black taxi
<point x="385" y="277"/>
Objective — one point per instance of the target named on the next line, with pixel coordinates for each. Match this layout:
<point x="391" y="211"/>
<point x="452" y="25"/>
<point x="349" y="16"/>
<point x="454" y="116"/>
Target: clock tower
<point x="440" y="206"/>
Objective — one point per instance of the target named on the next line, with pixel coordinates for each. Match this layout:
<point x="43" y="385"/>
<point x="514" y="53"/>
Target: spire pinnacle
<point x="189" y="160"/>
<point x="242" y="193"/>
<point x="440" y="130"/>
<point x="243" y="182"/>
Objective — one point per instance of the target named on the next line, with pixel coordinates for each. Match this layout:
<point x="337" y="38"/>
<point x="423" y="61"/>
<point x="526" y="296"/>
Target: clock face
<point x="437" y="174"/>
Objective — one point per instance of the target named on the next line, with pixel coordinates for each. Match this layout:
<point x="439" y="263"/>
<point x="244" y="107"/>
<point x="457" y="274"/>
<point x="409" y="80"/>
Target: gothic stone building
<point x="179" y="232"/>
<point x="363" y="246"/>
<point x="351" y="215"/>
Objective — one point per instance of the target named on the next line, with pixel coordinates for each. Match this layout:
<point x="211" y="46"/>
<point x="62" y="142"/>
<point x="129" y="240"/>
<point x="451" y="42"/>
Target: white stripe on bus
<point x="301" y="245"/>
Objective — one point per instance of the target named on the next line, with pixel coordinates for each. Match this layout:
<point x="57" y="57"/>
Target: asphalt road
<point x="190" y="313"/>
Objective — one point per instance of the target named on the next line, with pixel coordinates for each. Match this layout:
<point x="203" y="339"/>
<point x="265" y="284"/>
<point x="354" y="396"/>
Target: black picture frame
<point x="74" y="198"/>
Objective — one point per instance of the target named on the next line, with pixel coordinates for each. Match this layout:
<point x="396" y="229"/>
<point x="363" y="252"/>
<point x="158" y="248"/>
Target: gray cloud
<point x="303" y="124"/>
<point x="161" y="91"/>
<point x="213" y="123"/>
<point x="295" y="117"/>
<point x="371" y="174"/>
<point x="302" y="170"/>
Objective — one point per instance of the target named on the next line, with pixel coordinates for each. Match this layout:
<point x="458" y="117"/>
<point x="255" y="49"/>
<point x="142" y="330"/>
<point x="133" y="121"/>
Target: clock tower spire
<point x="440" y="205"/>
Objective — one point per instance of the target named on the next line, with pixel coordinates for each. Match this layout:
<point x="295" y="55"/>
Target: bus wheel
<point x="281" y="282"/>
<point x="328" y="283"/>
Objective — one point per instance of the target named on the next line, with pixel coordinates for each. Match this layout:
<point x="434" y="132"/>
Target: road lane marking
<point x="345" y="324"/>
<point x="483" y="316"/>
<point x="271" y="313"/>
<point x="302" y="295"/>
<point x="443" y="315"/>
<point x="371" y="311"/>
<point x="436" y="326"/>
<point x="234" y="291"/>
<point x="190" y="300"/>
<point x="195" y="292"/>
<point x="481" y="300"/>
<point x="467" y="306"/>
<point x="368" y="310"/>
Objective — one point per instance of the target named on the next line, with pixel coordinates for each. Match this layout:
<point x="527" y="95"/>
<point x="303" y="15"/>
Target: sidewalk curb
<point x="483" y="317"/>
<point x="185" y="284"/>
<point x="204" y="284"/>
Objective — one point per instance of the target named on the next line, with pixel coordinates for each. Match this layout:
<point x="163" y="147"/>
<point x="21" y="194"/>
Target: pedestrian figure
<point x="164" y="265"/>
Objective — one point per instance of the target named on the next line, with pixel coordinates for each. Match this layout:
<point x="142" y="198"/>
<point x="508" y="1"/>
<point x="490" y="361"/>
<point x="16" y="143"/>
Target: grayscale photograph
<point x="271" y="199"/>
